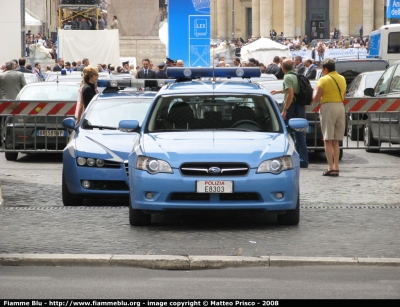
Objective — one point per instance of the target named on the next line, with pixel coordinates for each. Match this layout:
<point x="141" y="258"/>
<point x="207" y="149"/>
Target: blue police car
<point x="95" y="158"/>
<point x="213" y="145"/>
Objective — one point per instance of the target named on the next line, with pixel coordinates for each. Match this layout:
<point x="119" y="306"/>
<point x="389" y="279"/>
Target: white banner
<point x="334" y="53"/>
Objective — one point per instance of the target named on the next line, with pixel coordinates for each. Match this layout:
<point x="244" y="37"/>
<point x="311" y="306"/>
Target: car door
<point x="391" y="121"/>
<point x="388" y="86"/>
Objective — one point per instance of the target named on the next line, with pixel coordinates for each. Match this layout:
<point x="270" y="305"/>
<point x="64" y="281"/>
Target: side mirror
<point x="369" y="92"/>
<point x="298" y="124"/>
<point x="69" y="123"/>
<point x="128" y="125"/>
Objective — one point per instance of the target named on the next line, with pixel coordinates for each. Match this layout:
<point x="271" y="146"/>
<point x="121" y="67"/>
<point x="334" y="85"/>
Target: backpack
<point x="305" y="94"/>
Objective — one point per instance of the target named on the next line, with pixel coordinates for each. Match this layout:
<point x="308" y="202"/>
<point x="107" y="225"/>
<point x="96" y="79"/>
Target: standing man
<point x="330" y="93"/>
<point x="125" y="68"/>
<point x="37" y="71"/>
<point x="59" y="65"/>
<point x="311" y="70"/>
<point x="273" y="68"/>
<point x="11" y="82"/>
<point x="236" y="62"/>
<point x="179" y="63"/>
<point x="161" y="71"/>
<point x="85" y="62"/>
<point x="101" y="23"/>
<point x="146" y="72"/>
<point x="291" y="109"/>
<point x="299" y="64"/>
<point x="22" y="68"/>
<point x="114" y="24"/>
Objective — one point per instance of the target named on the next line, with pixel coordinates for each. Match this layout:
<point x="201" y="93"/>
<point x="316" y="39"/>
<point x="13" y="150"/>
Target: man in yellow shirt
<point x="330" y="93"/>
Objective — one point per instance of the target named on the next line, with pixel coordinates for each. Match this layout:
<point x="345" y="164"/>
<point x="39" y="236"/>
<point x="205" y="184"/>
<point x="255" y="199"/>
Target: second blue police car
<point x="95" y="158"/>
<point x="214" y="145"/>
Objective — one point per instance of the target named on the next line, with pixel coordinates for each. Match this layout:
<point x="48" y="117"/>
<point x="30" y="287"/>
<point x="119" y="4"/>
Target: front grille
<point x="203" y="169"/>
<point x="108" y="185"/>
<point x="222" y="196"/>
<point x="190" y="196"/>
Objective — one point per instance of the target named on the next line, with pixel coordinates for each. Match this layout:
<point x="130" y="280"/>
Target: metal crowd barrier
<point x="28" y="126"/>
<point x="382" y="115"/>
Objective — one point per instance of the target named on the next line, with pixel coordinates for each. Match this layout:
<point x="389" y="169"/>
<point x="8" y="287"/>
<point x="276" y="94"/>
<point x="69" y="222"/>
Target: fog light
<point x="91" y="161"/>
<point x="149" y="195"/>
<point x="86" y="184"/>
<point x="81" y="161"/>
<point x="279" y="195"/>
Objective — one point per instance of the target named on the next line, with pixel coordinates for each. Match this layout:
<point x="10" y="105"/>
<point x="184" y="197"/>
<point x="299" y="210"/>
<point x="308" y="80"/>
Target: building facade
<point x="314" y="18"/>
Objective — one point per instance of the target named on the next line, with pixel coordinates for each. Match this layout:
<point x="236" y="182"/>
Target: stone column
<point x="379" y="16"/>
<point x="289" y="24"/>
<point x="222" y="19"/>
<point x="265" y="17"/>
<point x="344" y="16"/>
<point x="255" y="15"/>
<point x="368" y="16"/>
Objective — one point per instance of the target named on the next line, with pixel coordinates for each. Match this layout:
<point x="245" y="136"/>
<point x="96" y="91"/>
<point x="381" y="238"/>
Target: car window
<point x="383" y="82"/>
<point x="372" y="79"/>
<point x="354" y="85"/>
<point x="248" y="112"/>
<point x="109" y="112"/>
<point x="50" y="92"/>
<point x="395" y="83"/>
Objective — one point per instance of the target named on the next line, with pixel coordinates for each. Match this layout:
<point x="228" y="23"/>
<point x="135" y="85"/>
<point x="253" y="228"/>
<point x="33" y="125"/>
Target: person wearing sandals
<point x="330" y="93"/>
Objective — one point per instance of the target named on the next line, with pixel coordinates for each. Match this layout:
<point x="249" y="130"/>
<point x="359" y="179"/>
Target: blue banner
<point x="189" y="31"/>
<point x="392" y="9"/>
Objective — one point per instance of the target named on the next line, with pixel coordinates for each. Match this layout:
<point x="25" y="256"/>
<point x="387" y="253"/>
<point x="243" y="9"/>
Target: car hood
<point x="112" y="145"/>
<point x="212" y="146"/>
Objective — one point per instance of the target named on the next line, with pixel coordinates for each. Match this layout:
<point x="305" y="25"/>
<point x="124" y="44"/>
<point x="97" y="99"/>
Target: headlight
<point x="99" y="162"/>
<point x="153" y="166"/>
<point x="81" y="161"/>
<point x="91" y="161"/>
<point x="276" y="166"/>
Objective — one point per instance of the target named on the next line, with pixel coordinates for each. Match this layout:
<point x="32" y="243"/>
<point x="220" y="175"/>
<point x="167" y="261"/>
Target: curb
<point x="172" y="262"/>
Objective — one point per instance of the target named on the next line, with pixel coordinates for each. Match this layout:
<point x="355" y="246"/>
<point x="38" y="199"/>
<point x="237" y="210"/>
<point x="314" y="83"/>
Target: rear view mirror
<point x="369" y="92"/>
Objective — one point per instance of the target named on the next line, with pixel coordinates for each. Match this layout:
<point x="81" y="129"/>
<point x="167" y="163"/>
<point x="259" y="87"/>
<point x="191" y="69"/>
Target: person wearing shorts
<point x="330" y="93"/>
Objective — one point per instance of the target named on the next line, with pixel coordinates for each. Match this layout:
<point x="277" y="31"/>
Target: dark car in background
<point x="22" y="133"/>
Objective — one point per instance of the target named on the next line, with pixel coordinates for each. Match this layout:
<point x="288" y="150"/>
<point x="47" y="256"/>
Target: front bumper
<point x="104" y="181"/>
<point x="251" y="192"/>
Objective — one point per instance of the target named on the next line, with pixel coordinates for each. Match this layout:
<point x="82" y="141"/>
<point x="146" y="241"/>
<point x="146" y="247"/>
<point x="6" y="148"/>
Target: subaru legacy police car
<point x="214" y="145"/>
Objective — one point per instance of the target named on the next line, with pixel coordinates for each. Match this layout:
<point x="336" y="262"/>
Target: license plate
<point x="214" y="186"/>
<point x="51" y="133"/>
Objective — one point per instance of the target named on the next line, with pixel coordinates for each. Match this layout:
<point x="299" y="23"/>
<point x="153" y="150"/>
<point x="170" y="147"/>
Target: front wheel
<point x="138" y="217"/>
<point x="369" y="140"/>
<point x="291" y="217"/>
<point x="11" y="156"/>
<point x="67" y="197"/>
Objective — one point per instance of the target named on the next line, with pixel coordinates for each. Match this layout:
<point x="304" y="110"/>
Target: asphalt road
<point x="354" y="215"/>
<point x="312" y="282"/>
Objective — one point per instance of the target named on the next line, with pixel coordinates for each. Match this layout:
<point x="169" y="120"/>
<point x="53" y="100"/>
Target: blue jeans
<point x="298" y="111"/>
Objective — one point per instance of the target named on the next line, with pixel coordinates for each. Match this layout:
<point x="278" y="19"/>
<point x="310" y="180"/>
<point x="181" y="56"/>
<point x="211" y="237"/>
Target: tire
<point x="352" y="131"/>
<point x="341" y="154"/>
<point x="11" y="156"/>
<point x="67" y="197"/>
<point x="369" y="140"/>
<point x="291" y="217"/>
<point x="138" y="217"/>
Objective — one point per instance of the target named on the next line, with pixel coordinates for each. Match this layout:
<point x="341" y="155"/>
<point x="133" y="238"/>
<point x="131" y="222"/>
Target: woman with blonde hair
<point x="87" y="91"/>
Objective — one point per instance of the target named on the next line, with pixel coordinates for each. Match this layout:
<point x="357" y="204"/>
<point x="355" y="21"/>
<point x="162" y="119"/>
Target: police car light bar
<point x="209" y="72"/>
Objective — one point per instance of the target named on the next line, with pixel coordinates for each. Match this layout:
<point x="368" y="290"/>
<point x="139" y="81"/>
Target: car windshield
<point x="109" y="112"/>
<point x="52" y="91"/>
<point x="210" y="112"/>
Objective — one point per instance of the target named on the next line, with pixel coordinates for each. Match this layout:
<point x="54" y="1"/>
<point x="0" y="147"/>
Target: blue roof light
<point x="208" y="72"/>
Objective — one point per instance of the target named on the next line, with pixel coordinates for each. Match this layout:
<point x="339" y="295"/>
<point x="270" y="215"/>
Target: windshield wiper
<point x="100" y="127"/>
